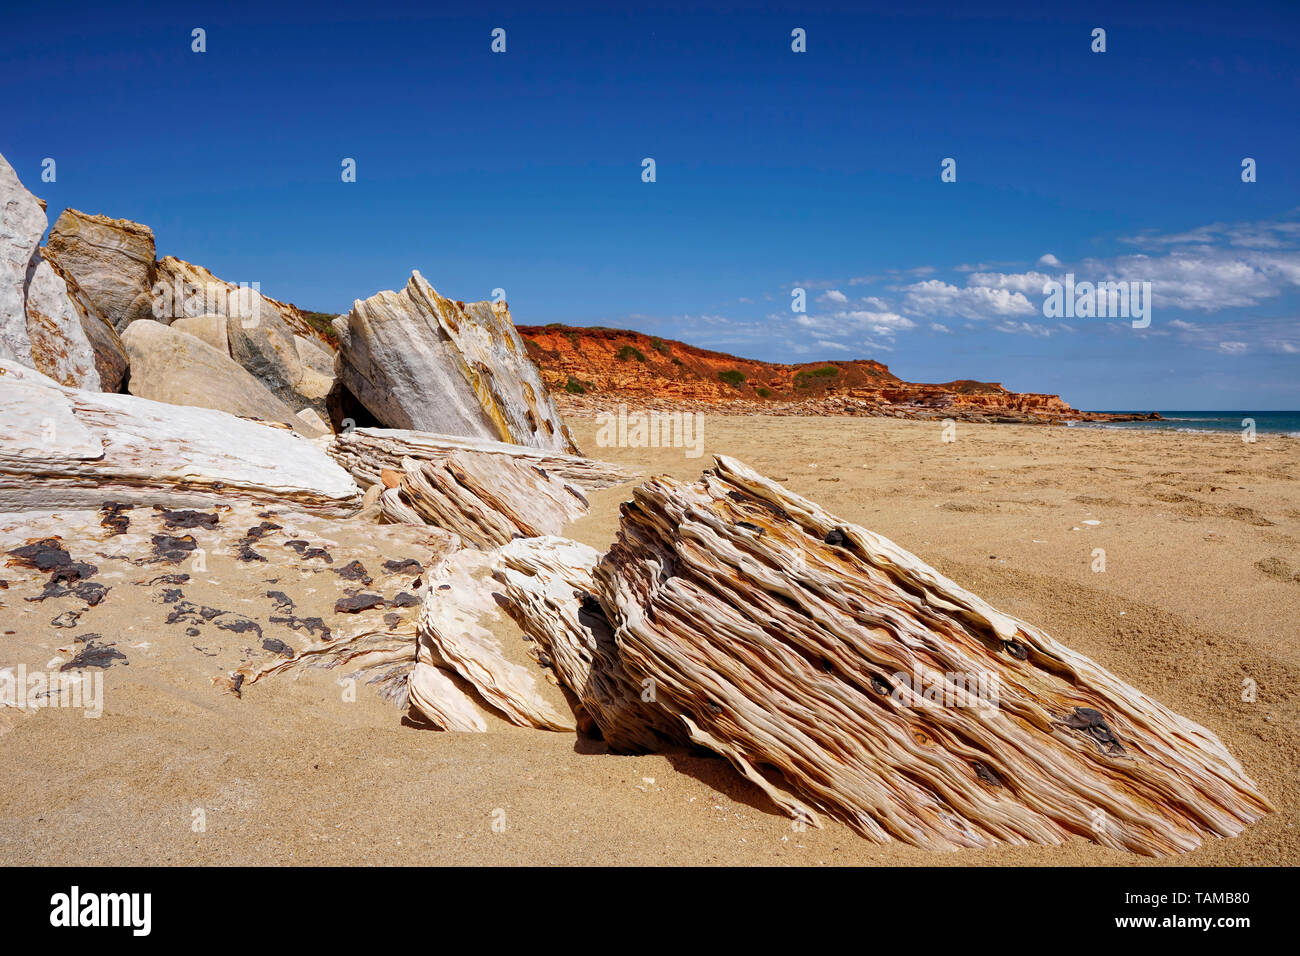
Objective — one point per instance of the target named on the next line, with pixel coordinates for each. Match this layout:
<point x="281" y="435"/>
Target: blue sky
<point x="775" y="170"/>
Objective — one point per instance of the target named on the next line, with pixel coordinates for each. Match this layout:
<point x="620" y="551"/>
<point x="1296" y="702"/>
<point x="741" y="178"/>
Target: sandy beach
<point x="1200" y="593"/>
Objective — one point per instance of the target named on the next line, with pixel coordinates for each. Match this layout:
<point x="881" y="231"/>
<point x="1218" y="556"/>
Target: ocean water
<point x="1266" y="423"/>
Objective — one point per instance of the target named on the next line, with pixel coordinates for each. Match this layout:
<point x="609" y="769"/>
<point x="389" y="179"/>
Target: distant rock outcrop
<point x="597" y="368"/>
<point x="168" y="365"/>
<point x="416" y="360"/>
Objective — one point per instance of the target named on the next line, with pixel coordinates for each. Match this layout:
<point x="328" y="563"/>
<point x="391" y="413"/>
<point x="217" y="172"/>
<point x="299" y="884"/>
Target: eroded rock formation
<point x="65" y="447"/>
<point x="485" y="499"/>
<point x="47" y="321"/>
<point x="821" y="657"/>
<point x="368" y="452"/>
<point x="419" y="361"/>
<point x="112" y="260"/>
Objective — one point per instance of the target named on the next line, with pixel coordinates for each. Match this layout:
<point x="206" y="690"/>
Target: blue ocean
<point x="1266" y="423"/>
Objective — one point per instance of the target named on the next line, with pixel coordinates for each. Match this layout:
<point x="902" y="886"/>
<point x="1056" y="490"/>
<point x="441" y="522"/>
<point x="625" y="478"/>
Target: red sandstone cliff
<point x="596" y="367"/>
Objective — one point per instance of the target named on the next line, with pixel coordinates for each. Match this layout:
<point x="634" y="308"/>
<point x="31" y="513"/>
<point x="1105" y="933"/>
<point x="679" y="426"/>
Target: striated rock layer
<point x="419" y="361"/>
<point x="822" y="657"/>
<point x="485" y="499"/>
<point x="367" y="452"/>
<point x="65" y="447"/>
<point x="112" y="260"/>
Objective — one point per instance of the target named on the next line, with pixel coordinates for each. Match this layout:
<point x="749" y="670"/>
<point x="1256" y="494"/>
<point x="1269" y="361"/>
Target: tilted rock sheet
<point x="455" y="635"/>
<point x="22" y="223"/>
<point x="60" y="348"/>
<point x="418" y="361"/>
<point x="548" y="585"/>
<point x="47" y="321"/>
<point x="822" y="656"/>
<point x="63" y="447"/>
<point x="112" y="260"/>
<point x="367" y="452"/>
<point x="485" y="499"/>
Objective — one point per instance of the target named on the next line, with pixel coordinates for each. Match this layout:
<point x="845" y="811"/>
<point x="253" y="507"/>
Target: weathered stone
<point x="170" y="366"/>
<point x="485" y="499"/>
<point x="315" y="355"/>
<point x="260" y="333"/>
<point x="112" y="260"/>
<point x="369" y="452"/>
<point x="209" y="328"/>
<point x="419" y="361"/>
<point x="59" y="345"/>
<point x="22" y="223"/>
<point x="64" y="447"/>
<point x="885" y="694"/>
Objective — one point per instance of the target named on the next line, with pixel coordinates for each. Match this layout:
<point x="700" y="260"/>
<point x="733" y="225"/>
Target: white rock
<point x="64" y="447"/>
<point x="419" y="361"/>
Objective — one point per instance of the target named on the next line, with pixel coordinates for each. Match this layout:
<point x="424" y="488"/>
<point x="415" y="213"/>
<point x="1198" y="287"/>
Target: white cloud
<point x="940" y="327"/>
<point x="936" y="297"/>
<point x="834" y="295"/>
<point x="1233" y="348"/>
<point x="1047" y="259"/>
<point x="1030" y="283"/>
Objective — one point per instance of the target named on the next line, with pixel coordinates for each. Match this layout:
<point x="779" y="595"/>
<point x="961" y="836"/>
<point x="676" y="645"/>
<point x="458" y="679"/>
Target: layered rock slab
<point x="548" y="584"/>
<point x="22" y="223"/>
<point x="485" y="499"/>
<point x="822" y="657"/>
<point x="419" y="361"/>
<point x="368" y="452"/>
<point x="65" y="447"/>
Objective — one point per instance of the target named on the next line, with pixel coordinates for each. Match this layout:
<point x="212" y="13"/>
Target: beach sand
<point x="1201" y="592"/>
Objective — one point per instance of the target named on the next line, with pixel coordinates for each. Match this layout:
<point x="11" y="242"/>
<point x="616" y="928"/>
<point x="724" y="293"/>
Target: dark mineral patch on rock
<point x="171" y="595"/>
<point x="171" y="549"/>
<point x="360" y="602"/>
<point x="112" y="515"/>
<point x="169" y="579"/>
<point x="95" y="655"/>
<point x="305" y="550"/>
<point x="312" y="625"/>
<point x="228" y="622"/>
<point x="282" y="601"/>
<point x="245" y="551"/>
<point x="835" y="538"/>
<point x="43" y="555"/>
<point x="354" y="571"/>
<point x="406" y="565"/>
<point x="405" y="599"/>
<point x="188" y="519"/>
<point x="1093" y="723"/>
<point x="66" y="619"/>
<point x="277" y="647"/>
